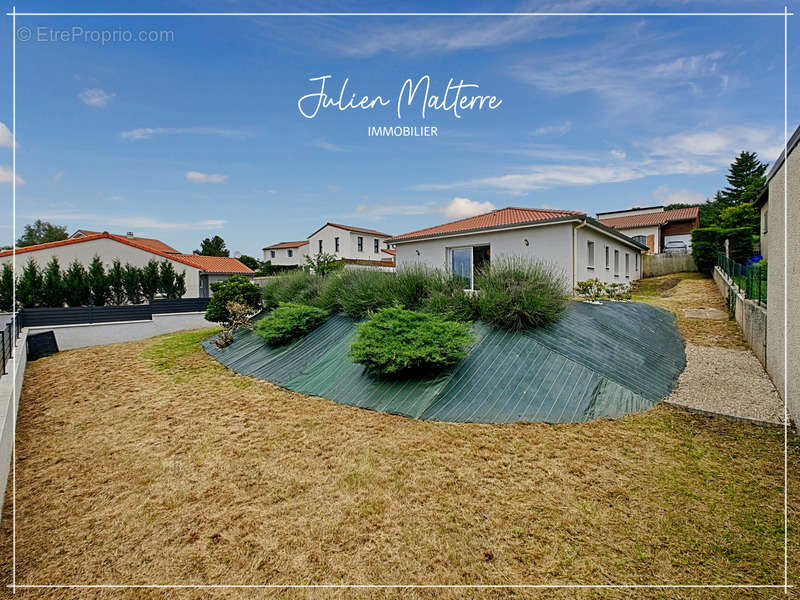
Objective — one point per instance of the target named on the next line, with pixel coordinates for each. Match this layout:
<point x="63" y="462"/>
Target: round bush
<point x="289" y="322"/>
<point x="517" y="293"/>
<point x="395" y="341"/>
<point x="236" y="288"/>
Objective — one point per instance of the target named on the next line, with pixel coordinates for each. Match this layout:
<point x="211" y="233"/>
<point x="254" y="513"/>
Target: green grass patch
<point x="169" y="349"/>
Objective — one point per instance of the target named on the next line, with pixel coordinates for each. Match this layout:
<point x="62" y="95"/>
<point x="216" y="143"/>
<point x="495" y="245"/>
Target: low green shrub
<point x="236" y="288"/>
<point x="395" y="341"/>
<point x="591" y="289"/>
<point x="517" y="293"/>
<point x="288" y="322"/>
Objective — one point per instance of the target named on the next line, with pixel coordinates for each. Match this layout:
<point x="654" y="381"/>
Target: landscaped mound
<point x="396" y="341"/>
<point x="597" y="361"/>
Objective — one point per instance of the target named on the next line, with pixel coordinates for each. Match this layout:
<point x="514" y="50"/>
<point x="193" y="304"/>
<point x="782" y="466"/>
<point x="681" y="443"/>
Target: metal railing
<point x="8" y="339"/>
<point x="750" y="279"/>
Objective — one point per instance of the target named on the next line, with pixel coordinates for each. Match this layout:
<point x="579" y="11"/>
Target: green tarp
<point x="603" y="360"/>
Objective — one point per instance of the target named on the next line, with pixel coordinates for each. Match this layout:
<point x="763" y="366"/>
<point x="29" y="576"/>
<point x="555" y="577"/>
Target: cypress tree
<point x="76" y="285"/>
<point x="116" y="283"/>
<point x="7" y="289"/>
<point x="52" y="286"/>
<point x="98" y="282"/>
<point x="167" y="279"/>
<point x="29" y="286"/>
<point x="131" y="276"/>
<point x="150" y="280"/>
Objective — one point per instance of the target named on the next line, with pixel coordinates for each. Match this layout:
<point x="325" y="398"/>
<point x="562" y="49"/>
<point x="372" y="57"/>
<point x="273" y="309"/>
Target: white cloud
<point x="146" y="133"/>
<point x="129" y="223"/>
<point x="5" y="136"/>
<point x="721" y="144"/>
<point x="6" y="173"/>
<point x="561" y="129"/>
<point x="459" y="208"/>
<point x="325" y="145"/>
<point x="618" y="154"/>
<point x="198" y="177"/>
<point x="58" y="176"/>
<point x="95" y="97"/>
<point x="665" y="195"/>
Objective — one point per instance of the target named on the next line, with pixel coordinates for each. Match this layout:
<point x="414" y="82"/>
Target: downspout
<point x="575" y="253"/>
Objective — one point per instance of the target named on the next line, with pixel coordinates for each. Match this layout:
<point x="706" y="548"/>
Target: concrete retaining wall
<point x="654" y="265"/>
<point x="98" y="334"/>
<point x="10" y="389"/>
<point x="751" y="317"/>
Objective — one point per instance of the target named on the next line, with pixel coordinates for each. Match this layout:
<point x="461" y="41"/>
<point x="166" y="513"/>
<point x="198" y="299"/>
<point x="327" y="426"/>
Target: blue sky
<point x="201" y="134"/>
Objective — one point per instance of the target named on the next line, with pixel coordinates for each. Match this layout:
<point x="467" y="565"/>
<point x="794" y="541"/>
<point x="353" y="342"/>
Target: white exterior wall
<point x="282" y="258"/>
<point x="607" y="275"/>
<point x="348" y="243"/>
<point x="552" y="244"/>
<point x="646" y="231"/>
<point x="108" y="250"/>
<point x="10" y="391"/>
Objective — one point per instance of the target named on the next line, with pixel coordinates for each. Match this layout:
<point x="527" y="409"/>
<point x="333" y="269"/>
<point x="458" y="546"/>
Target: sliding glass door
<point x="466" y="260"/>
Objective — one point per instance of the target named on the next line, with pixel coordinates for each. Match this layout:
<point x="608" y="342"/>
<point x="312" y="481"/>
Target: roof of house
<point x="790" y="145"/>
<point x="502" y="217"/>
<point x="653" y="219"/>
<point x="633" y="209"/>
<point x="281" y="245"/>
<point x="149" y="242"/>
<point x="391" y="252"/>
<point x="211" y="264"/>
<point x="351" y="228"/>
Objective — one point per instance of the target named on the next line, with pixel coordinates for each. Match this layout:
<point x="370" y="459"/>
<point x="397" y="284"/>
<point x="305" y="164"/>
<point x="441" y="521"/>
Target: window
<point x="765" y="218"/>
<point x="289" y="253"/>
<point x="590" y="255"/>
<point x="360" y="244"/>
<point x="616" y="263"/>
<point x="336" y="244"/>
<point x="641" y="239"/>
<point x="376" y="245"/>
<point x="466" y="260"/>
<point x="608" y="260"/>
<point x="272" y="253"/>
<point x="627" y="265"/>
<point x="636" y="263"/>
<point x="320" y="246"/>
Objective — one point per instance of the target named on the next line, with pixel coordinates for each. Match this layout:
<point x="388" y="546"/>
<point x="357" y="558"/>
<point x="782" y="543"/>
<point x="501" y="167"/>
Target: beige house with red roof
<point x="287" y="254"/>
<point x="201" y="271"/>
<point x="577" y="245"/>
<point x="654" y="226"/>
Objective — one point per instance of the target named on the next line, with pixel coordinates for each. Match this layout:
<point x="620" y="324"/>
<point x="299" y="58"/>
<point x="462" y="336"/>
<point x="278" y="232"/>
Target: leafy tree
<point x="76" y="285"/>
<point x="116" y="283"/>
<point x="213" y="247"/>
<point x="150" y="280"/>
<point x="740" y="215"/>
<point x="250" y="262"/>
<point x="131" y="276"/>
<point x="41" y="232"/>
<point x="322" y="263"/>
<point x="236" y="288"/>
<point x="172" y="285"/>
<point x="677" y="205"/>
<point x="98" y="282"/>
<point x="29" y="286"/>
<point x="52" y="286"/>
<point x="7" y="289"/>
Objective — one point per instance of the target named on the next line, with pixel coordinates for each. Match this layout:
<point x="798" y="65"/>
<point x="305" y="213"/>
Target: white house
<point x="363" y="246"/>
<point x="654" y="226"/>
<point x="579" y="246"/>
<point x="287" y="254"/>
<point x="201" y="271"/>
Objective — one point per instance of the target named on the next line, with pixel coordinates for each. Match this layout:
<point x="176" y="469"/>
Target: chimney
<point x="129" y="235"/>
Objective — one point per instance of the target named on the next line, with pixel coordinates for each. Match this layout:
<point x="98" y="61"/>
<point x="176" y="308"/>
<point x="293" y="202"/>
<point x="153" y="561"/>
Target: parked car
<point x="676" y="247"/>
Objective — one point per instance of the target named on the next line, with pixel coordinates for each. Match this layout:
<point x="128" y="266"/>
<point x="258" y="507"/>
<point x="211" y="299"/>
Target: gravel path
<point x="729" y="382"/>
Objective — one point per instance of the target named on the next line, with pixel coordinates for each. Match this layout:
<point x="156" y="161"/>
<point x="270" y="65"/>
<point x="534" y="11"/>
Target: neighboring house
<point x="779" y="218"/>
<point x="581" y="247"/>
<point x="654" y="226"/>
<point x="201" y="271"/>
<point x="355" y="245"/>
<point x="287" y="254"/>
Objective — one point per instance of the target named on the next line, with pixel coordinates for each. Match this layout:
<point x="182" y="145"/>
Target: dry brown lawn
<point x="148" y="462"/>
<point x="679" y="291"/>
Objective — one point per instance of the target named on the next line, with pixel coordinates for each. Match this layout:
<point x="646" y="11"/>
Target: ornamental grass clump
<point x="395" y="341"/>
<point x="295" y="286"/>
<point x="517" y="293"/>
<point x="288" y="322"/>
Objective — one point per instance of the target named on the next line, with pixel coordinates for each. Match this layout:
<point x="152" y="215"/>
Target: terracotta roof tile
<point x="297" y="244"/>
<point x="495" y="219"/>
<point x="652" y="219"/>
<point x="217" y="264"/>
<point x="149" y="242"/>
